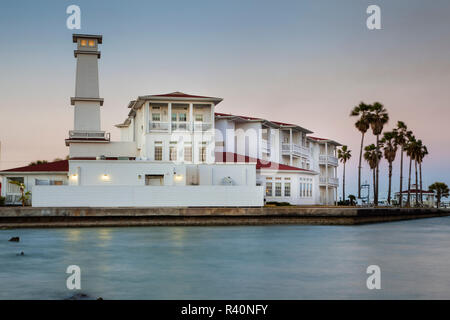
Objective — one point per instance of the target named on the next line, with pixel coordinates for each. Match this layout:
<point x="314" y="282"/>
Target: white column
<point x="213" y="134"/>
<point x="169" y="111"/>
<point x="191" y="116"/>
<point x="290" y="147"/>
<point x="326" y="173"/>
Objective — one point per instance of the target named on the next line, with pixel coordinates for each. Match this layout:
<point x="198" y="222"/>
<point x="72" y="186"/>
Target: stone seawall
<point x="28" y="217"/>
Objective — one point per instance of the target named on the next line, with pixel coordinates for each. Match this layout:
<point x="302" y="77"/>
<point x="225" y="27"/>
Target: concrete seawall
<point x="28" y="217"/>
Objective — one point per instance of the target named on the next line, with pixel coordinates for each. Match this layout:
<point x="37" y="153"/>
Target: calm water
<point x="268" y="262"/>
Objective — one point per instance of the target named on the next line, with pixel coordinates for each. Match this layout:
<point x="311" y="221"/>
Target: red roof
<point x="318" y="139"/>
<point x="418" y="190"/>
<point x="180" y="95"/>
<point x="56" y="166"/>
<point x="260" y="164"/>
<point x="253" y="118"/>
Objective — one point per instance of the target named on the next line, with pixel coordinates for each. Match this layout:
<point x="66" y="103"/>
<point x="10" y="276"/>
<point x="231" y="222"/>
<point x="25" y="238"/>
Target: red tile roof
<point x="56" y="166"/>
<point x="414" y="191"/>
<point x="180" y="95"/>
<point x="318" y="139"/>
<point x="253" y="118"/>
<point x="260" y="164"/>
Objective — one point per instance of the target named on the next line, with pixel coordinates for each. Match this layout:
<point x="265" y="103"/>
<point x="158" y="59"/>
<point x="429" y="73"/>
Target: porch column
<point x="169" y="111"/>
<point x="290" y="147"/>
<point x="191" y="117"/>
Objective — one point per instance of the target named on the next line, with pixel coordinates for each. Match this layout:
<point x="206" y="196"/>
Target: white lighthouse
<point x="87" y="101"/>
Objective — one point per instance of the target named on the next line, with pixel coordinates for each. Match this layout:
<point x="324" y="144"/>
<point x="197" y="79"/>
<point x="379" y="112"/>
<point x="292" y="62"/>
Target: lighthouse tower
<point x="87" y="101"/>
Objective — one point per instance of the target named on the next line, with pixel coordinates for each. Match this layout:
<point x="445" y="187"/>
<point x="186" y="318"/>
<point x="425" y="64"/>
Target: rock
<point x="21" y="254"/>
<point x="99" y="298"/>
<point x="79" y="296"/>
<point x="14" y="239"/>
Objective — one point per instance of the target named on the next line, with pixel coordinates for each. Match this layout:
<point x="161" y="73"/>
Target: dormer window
<point x="91" y="43"/>
<point x="83" y="42"/>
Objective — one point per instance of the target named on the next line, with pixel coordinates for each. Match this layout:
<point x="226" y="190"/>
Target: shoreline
<point x="31" y="217"/>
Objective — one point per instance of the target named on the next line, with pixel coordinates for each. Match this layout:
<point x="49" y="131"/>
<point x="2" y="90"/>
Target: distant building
<point x="428" y="196"/>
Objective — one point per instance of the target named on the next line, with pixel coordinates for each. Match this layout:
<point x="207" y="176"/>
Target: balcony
<point x="202" y="126"/>
<point x="179" y="126"/>
<point x="88" y="135"/>
<point x="297" y="150"/>
<point x="265" y="146"/>
<point x="331" y="181"/>
<point x="330" y="160"/>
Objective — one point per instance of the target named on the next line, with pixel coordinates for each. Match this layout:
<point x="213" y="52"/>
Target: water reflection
<point x="269" y="262"/>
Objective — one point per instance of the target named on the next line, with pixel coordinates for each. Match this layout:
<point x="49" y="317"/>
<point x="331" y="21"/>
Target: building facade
<point x="176" y="150"/>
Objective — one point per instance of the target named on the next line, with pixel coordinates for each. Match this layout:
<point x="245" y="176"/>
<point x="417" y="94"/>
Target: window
<point x="158" y="153"/>
<point x="174" y="116"/>
<point x="173" y="153"/>
<point x="199" y="117"/>
<point x="42" y="182"/>
<point x="154" y="180"/>
<point x="188" y="154"/>
<point x="268" y="189"/>
<point x="83" y="42"/>
<point x="182" y="117"/>
<point x="12" y="188"/>
<point x="202" y="154"/>
<point x="278" y="189"/>
<point x="156" y="117"/>
<point x="91" y="43"/>
<point x="287" y="189"/>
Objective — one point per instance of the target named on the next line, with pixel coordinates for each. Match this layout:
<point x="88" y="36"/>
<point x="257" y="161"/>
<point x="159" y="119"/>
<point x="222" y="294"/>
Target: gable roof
<point x="180" y="96"/>
<point x="275" y="123"/>
<point x="55" y="166"/>
<point x="324" y="140"/>
<point x="260" y="164"/>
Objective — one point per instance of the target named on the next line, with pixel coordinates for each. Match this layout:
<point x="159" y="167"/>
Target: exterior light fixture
<point x="178" y="177"/>
<point x="105" y="177"/>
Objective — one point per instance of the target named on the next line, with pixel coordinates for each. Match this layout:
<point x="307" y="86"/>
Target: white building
<point x="175" y="150"/>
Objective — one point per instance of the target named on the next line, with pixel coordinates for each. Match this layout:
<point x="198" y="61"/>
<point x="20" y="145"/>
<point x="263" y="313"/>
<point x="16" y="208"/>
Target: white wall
<point x="148" y="196"/>
<point x="123" y="172"/>
<point x="109" y="149"/>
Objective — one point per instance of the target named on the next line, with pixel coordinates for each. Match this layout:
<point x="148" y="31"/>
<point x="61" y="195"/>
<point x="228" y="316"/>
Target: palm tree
<point x="344" y="154"/>
<point x="422" y="152"/>
<point x="389" y="142"/>
<point x="378" y="117"/>
<point x="361" y="111"/>
<point x="352" y="199"/>
<point x="402" y="134"/>
<point x="372" y="156"/>
<point x="441" y="191"/>
<point x="410" y="150"/>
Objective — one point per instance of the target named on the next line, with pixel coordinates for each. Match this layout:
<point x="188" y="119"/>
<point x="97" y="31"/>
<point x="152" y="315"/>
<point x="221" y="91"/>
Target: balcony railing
<point x="180" y="126"/>
<point x="159" y="126"/>
<point x="202" y="126"/>
<point x="297" y="150"/>
<point x="89" y="135"/>
<point x="331" y="160"/>
<point x="265" y="146"/>
<point x="331" y="181"/>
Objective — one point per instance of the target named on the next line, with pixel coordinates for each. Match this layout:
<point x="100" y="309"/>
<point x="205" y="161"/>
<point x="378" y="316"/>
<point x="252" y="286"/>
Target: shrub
<point x="2" y="201"/>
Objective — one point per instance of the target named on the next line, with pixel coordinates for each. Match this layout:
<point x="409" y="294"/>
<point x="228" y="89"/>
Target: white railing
<point x="265" y="146"/>
<point x="332" y="160"/>
<point x="180" y="126"/>
<point x="158" y="126"/>
<point x="296" y="149"/>
<point x="202" y="126"/>
<point x="331" y="181"/>
<point x="76" y="134"/>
